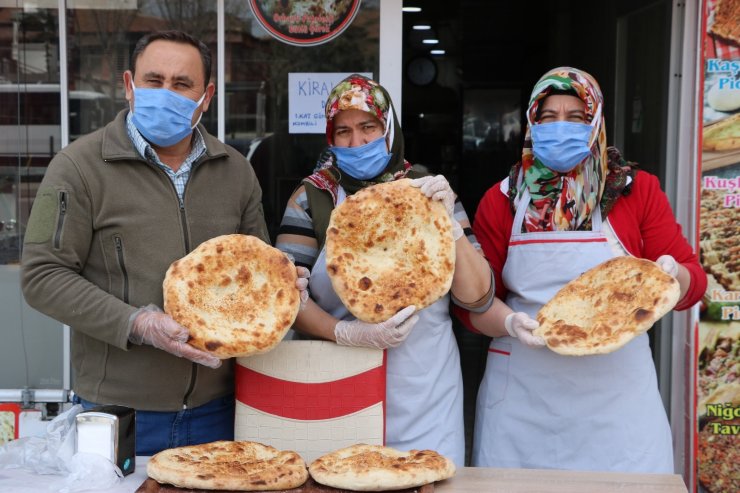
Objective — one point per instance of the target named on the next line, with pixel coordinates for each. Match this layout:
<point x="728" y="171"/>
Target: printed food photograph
<point x="721" y="119"/>
<point x="721" y="133"/>
<point x="718" y="398"/>
<point x="719" y="246"/>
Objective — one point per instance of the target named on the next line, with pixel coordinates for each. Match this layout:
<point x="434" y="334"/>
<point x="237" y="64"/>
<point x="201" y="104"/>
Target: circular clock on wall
<point x="421" y="71"/>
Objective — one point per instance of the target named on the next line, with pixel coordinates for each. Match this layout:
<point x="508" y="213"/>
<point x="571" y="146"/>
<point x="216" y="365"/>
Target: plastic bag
<point x="54" y="453"/>
<point x="90" y="472"/>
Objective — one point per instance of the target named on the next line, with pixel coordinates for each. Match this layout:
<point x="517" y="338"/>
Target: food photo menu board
<point x="718" y="351"/>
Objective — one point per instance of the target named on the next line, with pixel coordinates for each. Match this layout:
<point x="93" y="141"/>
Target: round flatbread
<point x="235" y="294"/>
<point x="226" y="465"/>
<point x="607" y="306"/>
<point x="387" y="247"/>
<point x="376" y="468"/>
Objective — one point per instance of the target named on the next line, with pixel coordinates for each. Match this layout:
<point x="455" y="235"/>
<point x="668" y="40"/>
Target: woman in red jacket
<point x="568" y="205"/>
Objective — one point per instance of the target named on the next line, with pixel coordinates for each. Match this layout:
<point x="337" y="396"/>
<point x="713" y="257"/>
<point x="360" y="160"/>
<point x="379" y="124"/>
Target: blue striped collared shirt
<point x="180" y="177"/>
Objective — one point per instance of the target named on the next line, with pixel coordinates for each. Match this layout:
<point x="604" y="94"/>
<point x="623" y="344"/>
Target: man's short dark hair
<point x="177" y="37"/>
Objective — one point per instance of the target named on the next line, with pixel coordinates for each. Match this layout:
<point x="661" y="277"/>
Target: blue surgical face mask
<point x="162" y="116"/>
<point x="562" y="145"/>
<point x="365" y="161"/>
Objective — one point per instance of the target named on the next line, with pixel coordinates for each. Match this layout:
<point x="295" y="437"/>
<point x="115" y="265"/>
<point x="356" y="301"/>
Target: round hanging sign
<point x="307" y="22"/>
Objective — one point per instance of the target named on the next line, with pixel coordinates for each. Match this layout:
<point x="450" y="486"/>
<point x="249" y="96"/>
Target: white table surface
<point x="22" y="481"/>
<point x="467" y="480"/>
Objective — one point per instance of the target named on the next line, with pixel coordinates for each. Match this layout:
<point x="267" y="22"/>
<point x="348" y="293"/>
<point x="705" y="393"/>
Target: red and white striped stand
<point x="312" y="397"/>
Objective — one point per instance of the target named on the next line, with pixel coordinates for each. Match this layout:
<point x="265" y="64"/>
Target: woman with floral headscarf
<point x="424" y="394"/>
<point x="568" y="205"/>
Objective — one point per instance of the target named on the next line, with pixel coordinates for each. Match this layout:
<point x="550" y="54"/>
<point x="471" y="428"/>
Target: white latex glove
<point x="520" y="325"/>
<point x="302" y="284"/>
<point x="438" y="188"/>
<point x="154" y="327"/>
<point x="668" y="264"/>
<point x="383" y="335"/>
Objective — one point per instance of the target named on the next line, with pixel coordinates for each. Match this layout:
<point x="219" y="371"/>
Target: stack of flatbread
<point x="387" y="247"/>
<point x="235" y="294"/>
<point x="607" y="306"/>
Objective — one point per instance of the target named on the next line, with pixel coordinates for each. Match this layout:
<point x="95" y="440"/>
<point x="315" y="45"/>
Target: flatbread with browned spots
<point x="376" y="468"/>
<point x="235" y="294"/>
<point x="607" y="306"/>
<point x="227" y="465"/>
<point x="388" y="246"/>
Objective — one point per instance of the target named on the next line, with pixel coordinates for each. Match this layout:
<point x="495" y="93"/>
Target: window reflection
<point x="30" y="134"/>
<point x="100" y="41"/>
<point x="29" y="115"/>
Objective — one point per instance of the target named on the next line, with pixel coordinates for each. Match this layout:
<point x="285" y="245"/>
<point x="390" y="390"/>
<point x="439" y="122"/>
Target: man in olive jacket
<point x="114" y="210"/>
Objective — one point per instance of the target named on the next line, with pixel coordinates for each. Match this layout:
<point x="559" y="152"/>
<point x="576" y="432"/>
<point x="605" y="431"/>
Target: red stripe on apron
<point x="492" y="350"/>
<point x="310" y="401"/>
<point x="590" y="240"/>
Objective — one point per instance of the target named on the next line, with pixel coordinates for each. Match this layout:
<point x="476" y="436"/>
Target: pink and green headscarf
<point x="357" y="92"/>
<point x="563" y="201"/>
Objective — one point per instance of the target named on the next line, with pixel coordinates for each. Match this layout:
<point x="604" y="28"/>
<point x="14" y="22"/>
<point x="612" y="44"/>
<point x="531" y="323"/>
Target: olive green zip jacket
<point x="104" y="227"/>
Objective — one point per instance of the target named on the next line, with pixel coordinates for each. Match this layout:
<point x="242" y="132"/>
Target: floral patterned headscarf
<point x="357" y="92"/>
<point x="563" y="201"/>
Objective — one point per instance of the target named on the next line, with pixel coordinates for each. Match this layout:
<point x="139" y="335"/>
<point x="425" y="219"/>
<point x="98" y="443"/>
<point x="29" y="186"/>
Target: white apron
<point x="424" y="392"/>
<point x="539" y="409"/>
